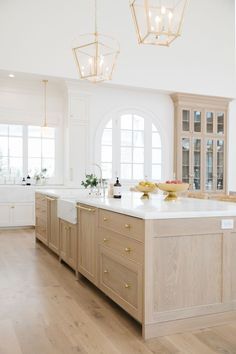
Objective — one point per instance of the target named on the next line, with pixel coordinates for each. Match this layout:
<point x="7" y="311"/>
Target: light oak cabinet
<point x="52" y="224"/>
<point x="68" y="243"/>
<point x="46" y="221"/>
<point x="41" y="225"/>
<point x="110" y="254"/>
<point x="88" y="242"/>
<point x="201" y="141"/>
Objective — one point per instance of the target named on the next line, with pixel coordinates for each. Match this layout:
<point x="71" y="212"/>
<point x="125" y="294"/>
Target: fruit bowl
<point x="146" y="188"/>
<point x="172" y="188"/>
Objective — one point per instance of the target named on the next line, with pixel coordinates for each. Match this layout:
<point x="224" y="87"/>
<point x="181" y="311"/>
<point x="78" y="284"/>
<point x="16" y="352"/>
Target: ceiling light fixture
<point x="11" y="75"/>
<point x="96" y="54"/>
<point x="158" y="22"/>
<point x="45" y="82"/>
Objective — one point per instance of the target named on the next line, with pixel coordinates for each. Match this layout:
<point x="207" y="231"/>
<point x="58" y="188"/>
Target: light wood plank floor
<point x="44" y="310"/>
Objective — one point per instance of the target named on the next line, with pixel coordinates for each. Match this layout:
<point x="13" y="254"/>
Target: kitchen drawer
<point x="122" y="224"/>
<point x="125" y="246"/>
<point x="121" y="280"/>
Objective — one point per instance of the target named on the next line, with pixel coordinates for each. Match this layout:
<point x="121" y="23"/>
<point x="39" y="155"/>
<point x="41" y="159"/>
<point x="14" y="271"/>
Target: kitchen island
<point x="171" y="265"/>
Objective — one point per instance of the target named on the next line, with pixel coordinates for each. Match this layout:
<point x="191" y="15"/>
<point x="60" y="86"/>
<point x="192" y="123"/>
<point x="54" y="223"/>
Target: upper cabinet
<point x="200" y="141"/>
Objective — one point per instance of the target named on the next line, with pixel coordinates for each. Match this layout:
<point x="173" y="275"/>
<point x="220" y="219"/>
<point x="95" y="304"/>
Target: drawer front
<point x="121" y="280"/>
<point x="125" y="246"/>
<point x="122" y="224"/>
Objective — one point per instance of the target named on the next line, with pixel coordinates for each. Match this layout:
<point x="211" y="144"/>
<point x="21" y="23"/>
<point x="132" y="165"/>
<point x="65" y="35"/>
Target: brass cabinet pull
<point x="127" y="226"/>
<point x="105" y="219"/>
<point x="105" y="239"/>
<point x="127" y="286"/>
<point x="51" y="199"/>
<point x="105" y="271"/>
<point x="86" y="209"/>
<point x="12" y="207"/>
<point x="127" y="249"/>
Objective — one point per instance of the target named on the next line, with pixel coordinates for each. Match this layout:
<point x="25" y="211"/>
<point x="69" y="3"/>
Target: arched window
<point x="131" y="149"/>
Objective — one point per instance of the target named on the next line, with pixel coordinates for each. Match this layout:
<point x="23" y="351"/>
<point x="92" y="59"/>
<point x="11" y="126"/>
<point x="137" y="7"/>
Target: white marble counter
<point x="154" y="208"/>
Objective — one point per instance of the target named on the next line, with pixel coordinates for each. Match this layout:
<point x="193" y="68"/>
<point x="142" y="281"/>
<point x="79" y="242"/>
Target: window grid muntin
<point x="149" y="129"/>
<point x="25" y="142"/>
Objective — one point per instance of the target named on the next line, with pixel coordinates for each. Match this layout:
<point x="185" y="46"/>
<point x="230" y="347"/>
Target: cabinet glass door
<point x="197" y="122"/>
<point x="220" y="123"/>
<point x="220" y="165"/>
<point x="209" y="122"/>
<point x="210" y="165"/>
<point x="197" y="163"/>
<point x="185" y="159"/>
<point x="185" y="120"/>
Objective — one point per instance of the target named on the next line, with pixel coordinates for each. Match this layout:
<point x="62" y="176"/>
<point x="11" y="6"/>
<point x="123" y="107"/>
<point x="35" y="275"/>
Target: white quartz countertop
<point x="154" y="208"/>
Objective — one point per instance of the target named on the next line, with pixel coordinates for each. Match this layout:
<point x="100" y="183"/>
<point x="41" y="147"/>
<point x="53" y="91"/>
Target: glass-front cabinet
<point x="200" y="136"/>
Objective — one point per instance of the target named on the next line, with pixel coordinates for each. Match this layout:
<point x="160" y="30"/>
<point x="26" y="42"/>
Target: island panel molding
<point x="201" y="142"/>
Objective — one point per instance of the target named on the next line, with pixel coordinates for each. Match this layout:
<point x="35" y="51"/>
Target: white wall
<point x="22" y="102"/>
<point x="37" y="36"/>
<point x="91" y="106"/>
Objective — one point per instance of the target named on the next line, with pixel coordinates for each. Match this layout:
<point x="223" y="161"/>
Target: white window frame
<point x="116" y="144"/>
<point x="57" y="178"/>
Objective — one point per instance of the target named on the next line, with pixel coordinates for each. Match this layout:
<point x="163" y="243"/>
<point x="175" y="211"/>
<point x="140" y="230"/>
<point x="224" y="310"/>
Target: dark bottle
<point x="23" y="181"/>
<point x="117" y="189"/>
<point x="28" y="181"/>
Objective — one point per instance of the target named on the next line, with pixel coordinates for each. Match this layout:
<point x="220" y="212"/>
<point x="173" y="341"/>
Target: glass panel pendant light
<point x="158" y="22"/>
<point x="96" y="54"/>
<point x="45" y="124"/>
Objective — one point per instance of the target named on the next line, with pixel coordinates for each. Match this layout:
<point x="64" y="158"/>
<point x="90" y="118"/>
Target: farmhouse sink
<point x="66" y="210"/>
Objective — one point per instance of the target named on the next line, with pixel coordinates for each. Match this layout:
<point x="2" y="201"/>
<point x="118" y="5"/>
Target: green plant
<point x="90" y="181"/>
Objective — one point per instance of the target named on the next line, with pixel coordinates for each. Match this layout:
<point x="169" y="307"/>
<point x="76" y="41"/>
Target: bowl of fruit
<point x="172" y="188"/>
<point x="146" y="187"/>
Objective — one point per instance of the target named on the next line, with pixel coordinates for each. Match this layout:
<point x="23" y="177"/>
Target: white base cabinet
<point x="16" y="214"/>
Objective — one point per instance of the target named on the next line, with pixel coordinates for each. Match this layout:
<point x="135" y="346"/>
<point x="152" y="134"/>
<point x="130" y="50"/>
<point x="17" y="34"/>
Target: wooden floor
<point x="44" y="310"/>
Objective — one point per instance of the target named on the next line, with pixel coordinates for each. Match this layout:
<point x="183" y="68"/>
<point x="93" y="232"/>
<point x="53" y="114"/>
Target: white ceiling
<point x="36" y="37"/>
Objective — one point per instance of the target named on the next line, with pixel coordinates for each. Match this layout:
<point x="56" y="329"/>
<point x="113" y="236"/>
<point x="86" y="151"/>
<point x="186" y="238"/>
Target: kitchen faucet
<point x="101" y="181"/>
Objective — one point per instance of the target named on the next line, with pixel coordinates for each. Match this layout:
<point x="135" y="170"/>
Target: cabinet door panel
<point x="197" y="121"/>
<point x="87" y="245"/>
<point x="5" y="215"/>
<point x="53" y="226"/>
<point x="23" y="215"/>
<point x="189" y="265"/>
<point x="197" y="160"/>
<point x="220" y="181"/>
<point x="72" y="246"/>
<point x="63" y="240"/>
<point x="186" y="160"/>
<point x="186" y="123"/>
<point x="209" y="178"/>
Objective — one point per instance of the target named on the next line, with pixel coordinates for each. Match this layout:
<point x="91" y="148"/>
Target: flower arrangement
<point x="41" y="176"/>
<point x="91" y="181"/>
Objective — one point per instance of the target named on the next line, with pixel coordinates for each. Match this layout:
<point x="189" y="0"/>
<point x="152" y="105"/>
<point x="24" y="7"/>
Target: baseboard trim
<point x="154" y="330"/>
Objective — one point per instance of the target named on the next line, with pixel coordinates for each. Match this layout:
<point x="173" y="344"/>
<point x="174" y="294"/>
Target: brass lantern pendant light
<point x="96" y="54"/>
<point x="45" y="124"/>
<point x="158" y="22"/>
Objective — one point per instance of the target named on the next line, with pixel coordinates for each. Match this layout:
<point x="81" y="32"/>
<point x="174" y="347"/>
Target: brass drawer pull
<point x="127" y="249"/>
<point x="105" y="271"/>
<point x="105" y="240"/>
<point x="127" y="226"/>
<point x="105" y="219"/>
<point x="86" y="209"/>
<point x="12" y="207"/>
<point x="127" y="286"/>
